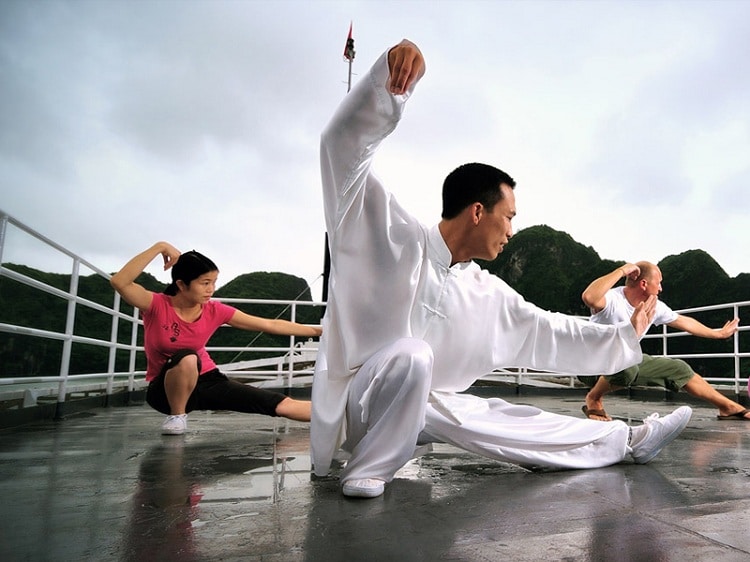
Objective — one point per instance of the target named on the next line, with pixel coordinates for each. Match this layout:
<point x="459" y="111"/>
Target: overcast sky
<point x="625" y="124"/>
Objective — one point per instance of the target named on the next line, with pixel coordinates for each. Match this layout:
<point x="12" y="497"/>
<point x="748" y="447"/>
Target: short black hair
<point x="472" y="183"/>
<point x="189" y="266"/>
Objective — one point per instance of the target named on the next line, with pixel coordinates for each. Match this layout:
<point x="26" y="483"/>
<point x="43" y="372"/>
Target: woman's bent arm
<point x="124" y="280"/>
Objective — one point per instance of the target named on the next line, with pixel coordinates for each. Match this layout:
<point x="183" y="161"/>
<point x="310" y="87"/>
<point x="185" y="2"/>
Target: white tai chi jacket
<point x="391" y="278"/>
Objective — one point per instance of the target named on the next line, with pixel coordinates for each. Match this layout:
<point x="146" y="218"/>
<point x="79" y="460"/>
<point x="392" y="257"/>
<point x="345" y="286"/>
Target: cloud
<point x="680" y="110"/>
<point x="122" y="123"/>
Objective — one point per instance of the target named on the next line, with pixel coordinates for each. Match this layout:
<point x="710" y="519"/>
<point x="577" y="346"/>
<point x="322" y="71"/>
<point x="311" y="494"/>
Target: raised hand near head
<point x="170" y="254"/>
<point x="630" y="270"/>
<point x="406" y="64"/>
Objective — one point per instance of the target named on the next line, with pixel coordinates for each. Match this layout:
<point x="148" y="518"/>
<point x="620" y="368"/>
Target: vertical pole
<point x="736" y="350"/>
<point x="68" y="342"/>
<point x="133" y="348"/>
<point x="349" y="81"/>
<point x="292" y="343"/>
<point x="3" y="230"/>
<point x="349" y="56"/>
<point x="326" y="271"/>
<point x="113" y="344"/>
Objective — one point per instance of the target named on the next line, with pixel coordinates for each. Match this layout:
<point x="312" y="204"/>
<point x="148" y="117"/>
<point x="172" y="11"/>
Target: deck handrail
<point x="290" y="362"/>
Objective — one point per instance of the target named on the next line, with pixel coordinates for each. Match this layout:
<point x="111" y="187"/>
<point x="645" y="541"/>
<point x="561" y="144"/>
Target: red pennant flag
<point x="349" y="48"/>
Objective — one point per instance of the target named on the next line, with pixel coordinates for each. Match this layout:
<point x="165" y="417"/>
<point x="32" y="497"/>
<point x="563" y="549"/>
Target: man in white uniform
<point x="611" y="305"/>
<point x="411" y="321"/>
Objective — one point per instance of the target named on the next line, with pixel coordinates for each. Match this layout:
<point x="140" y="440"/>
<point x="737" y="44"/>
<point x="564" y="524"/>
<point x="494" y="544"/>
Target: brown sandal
<point x="588" y="412"/>
<point x="736" y="416"/>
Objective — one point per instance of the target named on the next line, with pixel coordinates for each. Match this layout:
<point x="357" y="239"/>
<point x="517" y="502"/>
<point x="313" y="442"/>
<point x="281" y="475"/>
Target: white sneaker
<point x="659" y="433"/>
<point x="364" y="488"/>
<point x="174" y="425"/>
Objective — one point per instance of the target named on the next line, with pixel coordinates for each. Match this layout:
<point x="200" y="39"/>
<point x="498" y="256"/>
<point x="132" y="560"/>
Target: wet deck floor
<point x="107" y="486"/>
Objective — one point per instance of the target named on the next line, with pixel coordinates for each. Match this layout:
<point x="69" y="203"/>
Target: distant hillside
<point x="551" y="269"/>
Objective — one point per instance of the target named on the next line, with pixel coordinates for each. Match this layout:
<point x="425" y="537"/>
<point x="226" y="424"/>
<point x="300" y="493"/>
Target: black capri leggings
<point x="214" y="391"/>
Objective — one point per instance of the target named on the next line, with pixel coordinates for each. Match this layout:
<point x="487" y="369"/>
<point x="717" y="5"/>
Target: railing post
<point x="3" y="230"/>
<point x="280" y="369"/>
<point x="113" y="342"/>
<point x="133" y="347"/>
<point x="68" y="342"/>
<point x="736" y="343"/>
<point x="292" y="343"/>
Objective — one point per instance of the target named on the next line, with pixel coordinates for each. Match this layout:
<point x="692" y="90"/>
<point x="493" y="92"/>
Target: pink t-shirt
<point x="164" y="332"/>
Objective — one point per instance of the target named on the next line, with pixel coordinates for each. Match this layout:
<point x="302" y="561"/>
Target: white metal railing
<point x="63" y="378"/>
<point x="290" y="365"/>
<point x="278" y="369"/>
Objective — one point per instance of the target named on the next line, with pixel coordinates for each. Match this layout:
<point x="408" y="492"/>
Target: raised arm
<point x="245" y="321"/>
<point x="692" y="326"/>
<point x="594" y="295"/>
<point x="124" y="280"/>
<point x="365" y="117"/>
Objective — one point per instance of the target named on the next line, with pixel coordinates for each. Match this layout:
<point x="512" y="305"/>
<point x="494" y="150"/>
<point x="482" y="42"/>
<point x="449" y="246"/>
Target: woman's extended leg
<point x="293" y="409"/>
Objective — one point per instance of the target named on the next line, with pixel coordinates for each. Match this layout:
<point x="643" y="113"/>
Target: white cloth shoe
<point x="174" y="425"/>
<point x="364" y="488"/>
<point x="656" y="433"/>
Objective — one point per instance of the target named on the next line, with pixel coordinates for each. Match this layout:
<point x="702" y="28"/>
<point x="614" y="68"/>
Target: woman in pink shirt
<point x="177" y="325"/>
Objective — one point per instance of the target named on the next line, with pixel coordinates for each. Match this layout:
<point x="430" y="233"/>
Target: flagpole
<point x="349" y="53"/>
<point x="349" y="81"/>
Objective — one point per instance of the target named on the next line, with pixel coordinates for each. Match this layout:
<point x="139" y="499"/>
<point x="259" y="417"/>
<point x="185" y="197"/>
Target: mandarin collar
<point x="440" y="251"/>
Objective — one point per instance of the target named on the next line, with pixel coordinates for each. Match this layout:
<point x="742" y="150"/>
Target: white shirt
<point x="391" y="278"/>
<point x="618" y="309"/>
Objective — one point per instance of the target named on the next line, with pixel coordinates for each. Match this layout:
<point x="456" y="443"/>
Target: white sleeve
<point x="366" y="116"/>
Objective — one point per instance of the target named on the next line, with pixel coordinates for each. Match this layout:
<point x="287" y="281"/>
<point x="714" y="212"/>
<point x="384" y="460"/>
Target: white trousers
<point x="525" y="435"/>
<point x="386" y="409"/>
<point x="390" y="410"/>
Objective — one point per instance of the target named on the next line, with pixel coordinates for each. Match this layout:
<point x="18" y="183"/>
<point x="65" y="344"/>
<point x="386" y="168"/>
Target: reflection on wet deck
<point x="107" y="486"/>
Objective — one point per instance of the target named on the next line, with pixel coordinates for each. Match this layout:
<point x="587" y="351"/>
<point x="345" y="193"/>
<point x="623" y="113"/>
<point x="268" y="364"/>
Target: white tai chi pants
<point x="525" y="435"/>
<point x="388" y="414"/>
<point x="386" y="409"/>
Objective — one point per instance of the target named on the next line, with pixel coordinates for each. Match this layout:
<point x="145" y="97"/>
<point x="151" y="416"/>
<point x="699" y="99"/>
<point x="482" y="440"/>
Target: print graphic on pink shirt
<point x="175" y="327"/>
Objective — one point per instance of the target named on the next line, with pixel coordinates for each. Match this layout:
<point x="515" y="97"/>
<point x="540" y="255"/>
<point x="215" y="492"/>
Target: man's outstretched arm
<point x="696" y="328"/>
